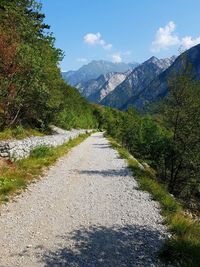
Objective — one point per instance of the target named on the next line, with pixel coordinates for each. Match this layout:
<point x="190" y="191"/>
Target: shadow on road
<point x="102" y="146"/>
<point x="105" y="246"/>
<point x="110" y="172"/>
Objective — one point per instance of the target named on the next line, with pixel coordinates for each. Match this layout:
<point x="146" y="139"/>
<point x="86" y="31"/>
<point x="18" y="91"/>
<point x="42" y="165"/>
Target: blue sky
<point x="121" y="30"/>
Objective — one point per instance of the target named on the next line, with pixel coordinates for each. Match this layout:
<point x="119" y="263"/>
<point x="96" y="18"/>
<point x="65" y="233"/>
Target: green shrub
<point x="10" y="184"/>
<point x="6" y="186"/>
<point x="19" y="132"/>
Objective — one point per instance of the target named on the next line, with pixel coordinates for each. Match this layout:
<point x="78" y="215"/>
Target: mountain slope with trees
<point x="32" y="90"/>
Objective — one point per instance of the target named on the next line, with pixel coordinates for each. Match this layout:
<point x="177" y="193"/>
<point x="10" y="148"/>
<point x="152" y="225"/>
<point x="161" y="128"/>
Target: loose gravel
<point x="86" y="211"/>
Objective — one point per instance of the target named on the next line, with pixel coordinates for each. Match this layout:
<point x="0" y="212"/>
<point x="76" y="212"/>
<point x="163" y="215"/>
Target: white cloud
<point x="188" y="42"/>
<point x="92" y="38"/>
<point x="82" y="59"/>
<point x="95" y="39"/>
<point x="116" y="58"/>
<point x="165" y="38"/>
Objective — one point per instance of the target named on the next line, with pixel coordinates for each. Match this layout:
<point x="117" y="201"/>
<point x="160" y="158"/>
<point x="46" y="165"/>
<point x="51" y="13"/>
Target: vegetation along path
<point x="86" y="211"/>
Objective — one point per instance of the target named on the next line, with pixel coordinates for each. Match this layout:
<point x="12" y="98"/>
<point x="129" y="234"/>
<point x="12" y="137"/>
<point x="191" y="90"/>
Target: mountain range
<point x="136" y="81"/>
<point x="120" y="85"/>
<point x="97" y="89"/>
<point x="94" y="69"/>
<point x="158" y="88"/>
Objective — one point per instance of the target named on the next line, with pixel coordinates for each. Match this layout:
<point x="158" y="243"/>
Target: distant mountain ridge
<point x="95" y="90"/>
<point x="93" y="86"/>
<point x="94" y="69"/>
<point x="137" y="86"/>
<point x="158" y="87"/>
<point x="136" y="81"/>
<point x="110" y="85"/>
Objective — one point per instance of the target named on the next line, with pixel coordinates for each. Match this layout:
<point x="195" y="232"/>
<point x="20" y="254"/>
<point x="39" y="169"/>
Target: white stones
<point x="18" y="149"/>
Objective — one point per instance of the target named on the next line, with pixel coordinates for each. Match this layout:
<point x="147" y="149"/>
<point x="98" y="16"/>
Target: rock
<point x="4" y="154"/>
<point x="18" y="149"/>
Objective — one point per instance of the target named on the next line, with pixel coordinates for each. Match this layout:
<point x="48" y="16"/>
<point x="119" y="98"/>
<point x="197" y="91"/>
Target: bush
<point x="19" y="132"/>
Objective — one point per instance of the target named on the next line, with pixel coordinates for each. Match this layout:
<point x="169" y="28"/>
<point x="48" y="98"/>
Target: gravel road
<point x="86" y="211"/>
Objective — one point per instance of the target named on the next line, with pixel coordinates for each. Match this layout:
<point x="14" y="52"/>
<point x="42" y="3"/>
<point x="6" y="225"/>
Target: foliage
<point x="181" y="114"/>
<point x="19" y="132"/>
<point x="31" y="88"/>
<point x="75" y="111"/>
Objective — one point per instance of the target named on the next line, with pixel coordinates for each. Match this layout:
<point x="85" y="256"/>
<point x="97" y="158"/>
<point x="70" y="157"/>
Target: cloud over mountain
<point x="116" y="58"/>
<point x="166" y="37"/>
<point x="95" y="39"/>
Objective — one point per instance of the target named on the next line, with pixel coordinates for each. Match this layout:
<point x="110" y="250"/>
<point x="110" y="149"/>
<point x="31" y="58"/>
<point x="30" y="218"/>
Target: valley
<point x="99" y="165"/>
<point x="140" y="86"/>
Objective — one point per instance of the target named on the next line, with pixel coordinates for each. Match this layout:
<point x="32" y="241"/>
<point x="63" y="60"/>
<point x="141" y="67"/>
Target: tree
<point x="182" y="113"/>
<point x="29" y="73"/>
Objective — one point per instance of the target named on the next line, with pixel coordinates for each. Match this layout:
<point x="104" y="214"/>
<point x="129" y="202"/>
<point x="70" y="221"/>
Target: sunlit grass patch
<point x="19" y="132"/>
<point x="41" y="152"/>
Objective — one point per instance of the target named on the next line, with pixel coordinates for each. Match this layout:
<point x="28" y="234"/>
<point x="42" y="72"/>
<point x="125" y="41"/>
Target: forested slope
<point x="31" y="88"/>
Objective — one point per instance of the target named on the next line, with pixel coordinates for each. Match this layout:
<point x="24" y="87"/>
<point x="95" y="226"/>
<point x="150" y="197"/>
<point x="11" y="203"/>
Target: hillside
<point x="32" y="91"/>
<point x="108" y="86"/>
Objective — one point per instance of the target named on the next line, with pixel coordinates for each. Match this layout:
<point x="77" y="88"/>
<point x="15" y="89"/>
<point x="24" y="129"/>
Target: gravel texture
<point x="86" y="211"/>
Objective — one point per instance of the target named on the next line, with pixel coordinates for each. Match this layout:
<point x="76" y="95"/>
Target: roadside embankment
<point x="19" y="149"/>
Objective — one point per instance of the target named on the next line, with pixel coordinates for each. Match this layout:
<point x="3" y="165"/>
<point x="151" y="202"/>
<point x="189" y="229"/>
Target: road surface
<point x="86" y="211"/>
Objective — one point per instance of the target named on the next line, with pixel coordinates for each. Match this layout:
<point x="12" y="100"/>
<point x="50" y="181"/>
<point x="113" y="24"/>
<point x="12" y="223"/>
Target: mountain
<point x="95" y="90"/>
<point x="94" y="69"/>
<point x="93" y="86"/>
<point x="158" y="88"/>
<point x="108" y="87"/>
<point x="136" y="81"/>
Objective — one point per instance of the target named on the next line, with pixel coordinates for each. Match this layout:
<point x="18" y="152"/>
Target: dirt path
<point x="86" y="211"/>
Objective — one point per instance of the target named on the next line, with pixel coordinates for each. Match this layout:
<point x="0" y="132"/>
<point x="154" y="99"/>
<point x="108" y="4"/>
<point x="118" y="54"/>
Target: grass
<point x="183" y="248"/>
<point x="18" y="133"/>
<point x="17" y="175"/>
